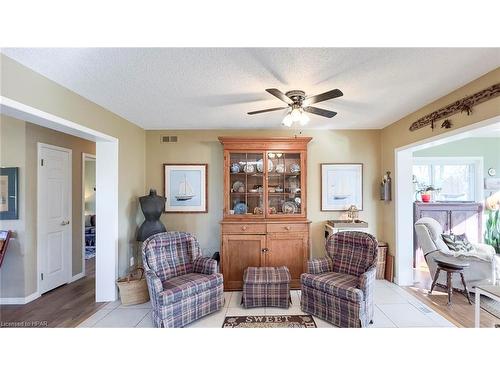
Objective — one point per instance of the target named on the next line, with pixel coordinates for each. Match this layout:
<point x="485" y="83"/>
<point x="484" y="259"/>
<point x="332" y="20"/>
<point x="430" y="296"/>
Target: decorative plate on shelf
<point x="270" y="166"/>
<point x="280" y="168"/>
<point x="240" y="208"/>
<point x="235" y="168"/>
<point x="238" y="187"/>
<point x="260" y="166"/>
<point x="294" y="168"/>
<point x="249" y="168"/>
<point x="289" y="208"/>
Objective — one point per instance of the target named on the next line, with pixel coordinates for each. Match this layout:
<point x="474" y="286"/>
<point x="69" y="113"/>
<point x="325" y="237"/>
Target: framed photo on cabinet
<point x="341" y="186"/>
<point x="185" y="187"/>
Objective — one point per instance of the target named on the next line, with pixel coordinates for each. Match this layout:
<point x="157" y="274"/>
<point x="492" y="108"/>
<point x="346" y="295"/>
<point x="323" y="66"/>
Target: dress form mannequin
<point x="152" y="206"/>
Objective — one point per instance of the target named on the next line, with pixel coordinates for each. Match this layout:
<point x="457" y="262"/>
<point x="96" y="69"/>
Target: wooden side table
<point x="450" y="268"/>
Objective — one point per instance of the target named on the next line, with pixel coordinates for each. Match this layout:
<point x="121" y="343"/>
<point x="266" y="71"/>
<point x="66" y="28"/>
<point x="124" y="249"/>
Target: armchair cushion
<point x="337" y="284"/>
<point x="320" y="265"/>
<point x="183" y="286"/>
<point x="207" y="266"/>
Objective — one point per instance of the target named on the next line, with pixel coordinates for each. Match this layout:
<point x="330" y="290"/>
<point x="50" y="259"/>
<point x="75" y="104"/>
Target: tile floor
<point x="394" y="307"/>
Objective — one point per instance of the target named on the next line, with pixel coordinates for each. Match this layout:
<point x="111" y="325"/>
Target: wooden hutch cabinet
<point x="265" y="214"/>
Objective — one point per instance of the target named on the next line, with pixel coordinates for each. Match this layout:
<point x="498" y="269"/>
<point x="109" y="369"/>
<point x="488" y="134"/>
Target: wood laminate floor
<point x="461" y="313"/>
<point x="66" y="306"/>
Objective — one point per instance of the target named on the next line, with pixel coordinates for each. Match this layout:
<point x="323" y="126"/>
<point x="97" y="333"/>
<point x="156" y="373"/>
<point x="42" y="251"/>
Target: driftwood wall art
<point x="462" y="105"/>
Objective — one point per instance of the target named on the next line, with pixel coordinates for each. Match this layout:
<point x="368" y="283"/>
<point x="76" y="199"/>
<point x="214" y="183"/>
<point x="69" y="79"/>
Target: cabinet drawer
<point x="244" y="228"/>
<point x="287" y="227"/>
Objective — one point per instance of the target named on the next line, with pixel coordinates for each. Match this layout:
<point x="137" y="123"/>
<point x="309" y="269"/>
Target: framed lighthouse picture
<point x="185" y="188"/>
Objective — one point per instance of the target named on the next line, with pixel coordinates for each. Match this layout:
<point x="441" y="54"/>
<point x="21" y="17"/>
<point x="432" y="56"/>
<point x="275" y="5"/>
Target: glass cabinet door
<point x="284" y="183"/>
<point x="246" y="184"/>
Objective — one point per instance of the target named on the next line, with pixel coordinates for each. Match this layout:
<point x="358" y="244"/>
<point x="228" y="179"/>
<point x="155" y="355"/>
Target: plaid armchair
<point x="183" y="286"/>
<point x="339" y="287"/>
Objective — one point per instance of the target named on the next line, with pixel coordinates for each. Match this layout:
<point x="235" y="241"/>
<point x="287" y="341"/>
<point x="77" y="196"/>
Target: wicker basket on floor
<point x="381" y="260"/>
<point x="133" y="289"/>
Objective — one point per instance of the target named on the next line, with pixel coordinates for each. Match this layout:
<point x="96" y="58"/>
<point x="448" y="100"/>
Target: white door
<point x="54" y="216"/>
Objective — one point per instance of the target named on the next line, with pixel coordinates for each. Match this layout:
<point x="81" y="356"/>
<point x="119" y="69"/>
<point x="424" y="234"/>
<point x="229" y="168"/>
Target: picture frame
<point x="341" y="186"/>
<point x="9" y="193"/>
<point x="186" y="188"/>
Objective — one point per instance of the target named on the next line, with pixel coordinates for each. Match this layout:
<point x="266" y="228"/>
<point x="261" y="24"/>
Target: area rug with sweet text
<point x="269" y="321"/>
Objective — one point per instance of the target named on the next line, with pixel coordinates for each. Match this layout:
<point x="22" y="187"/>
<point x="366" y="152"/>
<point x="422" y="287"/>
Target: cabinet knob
<point x="265" y="250"/>
<point x="244" y="227"/>
<point x="288" y="227"/>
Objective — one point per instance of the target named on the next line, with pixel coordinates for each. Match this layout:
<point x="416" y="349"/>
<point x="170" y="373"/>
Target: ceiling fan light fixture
<point x="287" y="121"/>
<point x="304" y="119"/>
<point x="296" y="114"/>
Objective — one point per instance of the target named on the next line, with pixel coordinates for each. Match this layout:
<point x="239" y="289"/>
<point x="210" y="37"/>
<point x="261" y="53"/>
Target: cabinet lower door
<point x="238" y="253"/>
<point x="291" y="250"/>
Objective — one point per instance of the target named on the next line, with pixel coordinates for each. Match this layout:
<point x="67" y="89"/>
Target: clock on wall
<point x="492" y="172"/>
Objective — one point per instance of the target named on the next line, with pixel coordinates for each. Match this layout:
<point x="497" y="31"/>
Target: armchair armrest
<point x="367" y="282"/>
<point x="206" y="266"/>
<point x="320" y="265"/>
<point x="154" y="282"/>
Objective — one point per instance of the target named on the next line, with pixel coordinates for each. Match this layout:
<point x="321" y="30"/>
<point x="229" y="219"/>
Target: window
<point x="458" y="178"/>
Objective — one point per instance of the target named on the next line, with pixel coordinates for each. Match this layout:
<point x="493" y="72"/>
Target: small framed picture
<point x="9" y="188"/>
<point x="341" y="186"/>
<point x="185" y="188"/>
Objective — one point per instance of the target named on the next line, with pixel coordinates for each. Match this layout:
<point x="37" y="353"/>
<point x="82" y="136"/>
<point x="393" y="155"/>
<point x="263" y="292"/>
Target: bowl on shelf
<point x="240" y="208"/>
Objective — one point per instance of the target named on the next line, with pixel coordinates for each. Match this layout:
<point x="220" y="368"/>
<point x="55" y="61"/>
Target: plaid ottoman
<point x="266" y="286"/>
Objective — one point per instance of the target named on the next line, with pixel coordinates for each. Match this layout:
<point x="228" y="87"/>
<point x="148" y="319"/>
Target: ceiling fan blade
<point x="277" y="93"/>
<point x="266" y="110"/>
<point x="322" y="97"/>
<point x="320" y="112"/>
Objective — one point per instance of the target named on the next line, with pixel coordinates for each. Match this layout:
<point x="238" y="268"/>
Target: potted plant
<point x="426" y="192"/>
<point x="492" y="233"/>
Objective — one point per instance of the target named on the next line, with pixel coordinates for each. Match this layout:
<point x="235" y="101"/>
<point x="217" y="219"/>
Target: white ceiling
<point x="213" y="88"/>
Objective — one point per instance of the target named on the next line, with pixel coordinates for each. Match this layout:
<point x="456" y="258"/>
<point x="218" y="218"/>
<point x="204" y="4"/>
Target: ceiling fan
<point x="299" y="103"/>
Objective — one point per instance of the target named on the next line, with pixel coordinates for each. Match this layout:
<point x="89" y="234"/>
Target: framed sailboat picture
<point x="341" y="186"/>
<point x="185" y="187"/>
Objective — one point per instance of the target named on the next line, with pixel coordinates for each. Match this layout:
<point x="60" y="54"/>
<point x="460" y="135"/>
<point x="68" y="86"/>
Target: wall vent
<point x="168" y="139"/>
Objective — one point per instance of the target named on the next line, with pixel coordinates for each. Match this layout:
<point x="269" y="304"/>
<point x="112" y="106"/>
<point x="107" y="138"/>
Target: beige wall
<point x="12" y="154"/>
<point x="28" y="87"/>
<point x="359" y="146"/>
<point x="397" y="135"/>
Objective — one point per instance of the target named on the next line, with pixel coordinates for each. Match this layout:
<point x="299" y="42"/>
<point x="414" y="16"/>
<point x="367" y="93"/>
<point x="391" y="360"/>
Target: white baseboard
<point x="77" y="277"/>
<point x="19" y="300"/>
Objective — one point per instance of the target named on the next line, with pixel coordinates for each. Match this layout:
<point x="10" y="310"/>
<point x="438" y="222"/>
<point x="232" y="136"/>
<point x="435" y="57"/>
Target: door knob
<point x="65" y="222"/>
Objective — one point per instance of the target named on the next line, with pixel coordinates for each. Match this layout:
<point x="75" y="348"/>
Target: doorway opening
<point x="405" y="196"/>
<point x="88" y="213"/>
<point x="106" y="266"/>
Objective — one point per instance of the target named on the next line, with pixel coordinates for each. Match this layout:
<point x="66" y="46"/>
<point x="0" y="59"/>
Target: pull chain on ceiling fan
<point x="298" y="104"/>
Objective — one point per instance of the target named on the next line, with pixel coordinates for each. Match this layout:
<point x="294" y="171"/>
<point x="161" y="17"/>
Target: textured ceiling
<point x="213" y="88"/>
